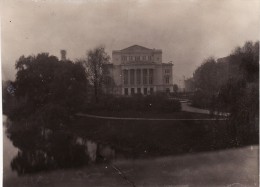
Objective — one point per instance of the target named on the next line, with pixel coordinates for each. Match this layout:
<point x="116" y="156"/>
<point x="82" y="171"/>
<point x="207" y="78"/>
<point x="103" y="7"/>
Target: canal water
<point x="117" y="165"/>
<point x="9" y="152"/>
<point x="21" y="162"/>
<point x="16" y="166"/>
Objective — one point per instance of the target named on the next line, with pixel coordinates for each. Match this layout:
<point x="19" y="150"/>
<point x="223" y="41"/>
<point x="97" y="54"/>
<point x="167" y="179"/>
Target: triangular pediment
<point x="135" y="48"/>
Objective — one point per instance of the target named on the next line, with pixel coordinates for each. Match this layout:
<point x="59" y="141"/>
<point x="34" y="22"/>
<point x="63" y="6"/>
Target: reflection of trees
<point x="29" y="162"/>
<point x="39" y="151"/>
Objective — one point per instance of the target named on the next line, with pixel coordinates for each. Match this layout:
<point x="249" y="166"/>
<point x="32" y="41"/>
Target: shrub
<point x="201" y="99"/>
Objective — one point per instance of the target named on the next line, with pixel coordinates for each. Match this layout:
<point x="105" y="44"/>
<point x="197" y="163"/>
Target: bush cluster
<point x="202" y="99"/>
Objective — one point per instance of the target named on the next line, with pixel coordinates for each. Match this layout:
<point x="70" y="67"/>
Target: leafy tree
<point x="241" y="64"/>
<point x="231" y="84"/>
<point x="206" y="83"/>
<point x="205" y="76"/>
<point x="96" y="69"/>
<point x="9" y="101"/>
<point x="48" y="93"/>
<point x="240" y="95"/>
<point x="249" y="65"/>
<point x="43" y="79"/>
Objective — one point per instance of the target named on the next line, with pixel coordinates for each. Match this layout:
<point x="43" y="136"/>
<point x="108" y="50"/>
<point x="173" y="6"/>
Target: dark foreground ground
<point x="233" y="167"/>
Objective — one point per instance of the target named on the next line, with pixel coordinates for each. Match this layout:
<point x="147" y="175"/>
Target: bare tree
<point x="96" y="68"/>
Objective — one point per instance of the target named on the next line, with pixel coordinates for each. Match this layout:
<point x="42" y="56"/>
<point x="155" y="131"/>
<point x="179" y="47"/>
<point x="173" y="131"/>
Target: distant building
<point x="189" y="85"/>
<point x="63" y="55"/>
<point x="138" y="70"/>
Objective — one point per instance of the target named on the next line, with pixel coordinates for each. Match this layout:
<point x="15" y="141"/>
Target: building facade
<point x="138" y="70"/>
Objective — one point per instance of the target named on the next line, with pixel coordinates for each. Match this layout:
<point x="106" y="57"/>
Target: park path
<point x="186" y="107"/>
<point x="147" y="119"/>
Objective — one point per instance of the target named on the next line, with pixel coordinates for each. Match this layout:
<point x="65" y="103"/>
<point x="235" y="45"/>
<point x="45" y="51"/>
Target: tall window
<point x="167" y="71"/>
<point x="137" y="58"/>
<point x="132" y="91"/>
<point x="130" y="58"/>
<point x="124" y="58"/>
<point x="150" y="76"/>
<point x="107" y="80"/>
<point x="151" y="90"/>
<point x="145" y="76"/>
<point x="126" y="91"/>
<point x="132" y="76"/>
<point x="125" y="76"/>
<point x="149" y="58"/>
<point x="138" y="76"/>
<point x="144" y="58"/>
<point x="145" y="91"/>
<point x="167" y="79"/>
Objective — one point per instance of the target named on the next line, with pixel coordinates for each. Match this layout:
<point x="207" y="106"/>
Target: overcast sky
<point x="187" y="31"/>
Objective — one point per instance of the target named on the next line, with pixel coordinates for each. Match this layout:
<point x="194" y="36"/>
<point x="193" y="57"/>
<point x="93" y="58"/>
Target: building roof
<point x="137" y="48"/>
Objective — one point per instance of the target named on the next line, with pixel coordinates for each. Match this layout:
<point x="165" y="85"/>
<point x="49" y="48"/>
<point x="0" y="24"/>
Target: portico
<point x="139" y="70"/>
<point x="138" y="80"/>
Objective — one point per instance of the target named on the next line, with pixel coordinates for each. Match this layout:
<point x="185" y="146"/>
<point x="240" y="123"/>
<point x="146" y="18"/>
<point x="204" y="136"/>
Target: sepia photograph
<point x="130" y="93"/>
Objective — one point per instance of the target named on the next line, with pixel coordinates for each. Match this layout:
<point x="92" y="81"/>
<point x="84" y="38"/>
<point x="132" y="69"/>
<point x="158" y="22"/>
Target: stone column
<point x="152" y="76"/>
<point x="135" y="76"/>
<point x="123" y="77"/>
<point x="141" y="78"/>
<point x="148" y="76"/>
<point x="123" y="81"/>
<point x="128" y="74"/>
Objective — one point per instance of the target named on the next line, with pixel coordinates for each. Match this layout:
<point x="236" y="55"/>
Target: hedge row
<point x="157" y="103"/>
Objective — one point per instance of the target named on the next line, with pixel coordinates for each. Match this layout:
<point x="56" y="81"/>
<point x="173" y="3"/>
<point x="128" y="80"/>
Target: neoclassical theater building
<point x="138" y="70"/>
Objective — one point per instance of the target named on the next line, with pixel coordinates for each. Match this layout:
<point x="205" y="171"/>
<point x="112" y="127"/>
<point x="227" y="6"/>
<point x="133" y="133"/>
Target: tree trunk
<point x="96" y="83"/>
<point x="96" y="91"/>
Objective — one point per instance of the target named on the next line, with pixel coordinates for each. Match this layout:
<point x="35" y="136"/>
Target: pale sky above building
<point x="187" y="31"/>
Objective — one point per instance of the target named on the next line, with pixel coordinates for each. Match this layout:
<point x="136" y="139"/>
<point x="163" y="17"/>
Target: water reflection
<point x="90" y="141"/>
<point x="53" y="156"/>
<point x="79" y="154"/>
<point x="9" y="152"/>
<point x="96" y="151"/>
<point x="42" y="150"/>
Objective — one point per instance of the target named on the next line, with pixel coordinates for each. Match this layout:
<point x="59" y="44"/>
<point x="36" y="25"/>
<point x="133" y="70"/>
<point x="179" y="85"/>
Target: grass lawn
<point x="155" y="138"/>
